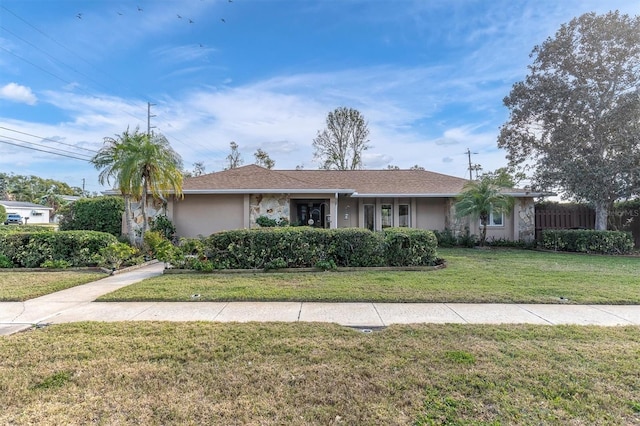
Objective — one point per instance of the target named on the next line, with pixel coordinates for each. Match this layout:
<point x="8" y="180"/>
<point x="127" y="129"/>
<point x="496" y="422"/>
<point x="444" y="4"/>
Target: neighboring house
<point x="31" y="213"/>
<point x="373" y="199"/>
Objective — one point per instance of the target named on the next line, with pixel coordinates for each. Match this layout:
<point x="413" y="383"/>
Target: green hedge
<point x="103" y="214"/>
<point x="32" y="250"/>
<point x="12" y="229"/>
<point x="300" y="247"/>
<point x="588" y="241"/>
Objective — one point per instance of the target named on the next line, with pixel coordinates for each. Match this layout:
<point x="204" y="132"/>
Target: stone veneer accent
<point x="274" y="206"/>
<point x="153" y="209"/>
<point x="526" y="219"/>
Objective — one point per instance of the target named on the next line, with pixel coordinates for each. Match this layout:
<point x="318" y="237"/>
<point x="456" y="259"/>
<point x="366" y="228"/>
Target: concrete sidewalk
<point x="76" y="304"/>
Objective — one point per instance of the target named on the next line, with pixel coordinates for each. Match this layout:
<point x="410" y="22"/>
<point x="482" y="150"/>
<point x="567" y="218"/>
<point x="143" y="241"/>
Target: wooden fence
<point x="564" y="218"/>
<point x="583" y="217"/>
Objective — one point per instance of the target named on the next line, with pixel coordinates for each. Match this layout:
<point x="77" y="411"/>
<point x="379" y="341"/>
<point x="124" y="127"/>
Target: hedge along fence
<point x="293" y="247"/>
<point x="31" y="250"/>
<point x="588" y="241"/>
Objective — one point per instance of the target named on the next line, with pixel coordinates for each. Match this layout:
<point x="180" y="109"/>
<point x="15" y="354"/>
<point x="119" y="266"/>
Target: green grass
<point x="21" y="286"/>
<point x="302" y="373"/>
<point x="485" y="276"/>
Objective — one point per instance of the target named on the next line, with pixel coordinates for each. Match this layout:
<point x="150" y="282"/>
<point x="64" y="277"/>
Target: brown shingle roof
<point x="362" y="182"/>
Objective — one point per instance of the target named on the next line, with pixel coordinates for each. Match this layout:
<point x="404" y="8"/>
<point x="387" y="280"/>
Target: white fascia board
<point x="268" y="191"/>
<point x="393" y="195"/>
<point x="447" y="195"/>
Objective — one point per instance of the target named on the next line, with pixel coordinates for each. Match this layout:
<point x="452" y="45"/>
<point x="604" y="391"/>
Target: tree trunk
<point x="129" y="219"/>
<point x="602" y="215"/>
<point x="483" y="233"/>
<point x="143" y="207"/>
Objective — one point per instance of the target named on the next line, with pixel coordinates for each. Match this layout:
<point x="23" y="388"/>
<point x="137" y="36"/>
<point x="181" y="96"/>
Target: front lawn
<point x="273" y="374"/>
<point x="483" y="276"/>
<point x="16" y="286"/>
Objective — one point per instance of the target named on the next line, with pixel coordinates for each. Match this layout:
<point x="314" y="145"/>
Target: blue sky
<point x="429" y="77"/>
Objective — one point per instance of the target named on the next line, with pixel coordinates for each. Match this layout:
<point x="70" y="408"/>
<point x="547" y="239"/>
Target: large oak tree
<point x="575" y="119"/>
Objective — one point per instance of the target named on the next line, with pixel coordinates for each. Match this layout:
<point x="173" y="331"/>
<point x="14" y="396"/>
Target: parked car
<point x="13" y="218"/>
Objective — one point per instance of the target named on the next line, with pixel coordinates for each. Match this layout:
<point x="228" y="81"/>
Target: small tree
<point x="3" y="214"/>
<point x="263" y="159"/>
<point x="479" y="198"/>
<point x="234" y="159"/>
<point x="340" y="145"/>
<point x="139" y="165"/>
<point x="198" y="170"/>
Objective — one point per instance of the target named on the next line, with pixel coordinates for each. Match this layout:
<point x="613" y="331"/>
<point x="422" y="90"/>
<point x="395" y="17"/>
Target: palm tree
<point x="481" y="197"/>
<point x="139" y="165"/>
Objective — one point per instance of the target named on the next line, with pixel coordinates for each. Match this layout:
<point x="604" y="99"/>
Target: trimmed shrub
<point x="102" y="214"/>
<point x="117" y="254"/>
<point x="303" y="247"/>
<point x="409" y="247"/>
<point x="27" y="228"/>
<point x="588" y="241"/>
<point x="31" y="250"/>
<point x="356" y="247"/>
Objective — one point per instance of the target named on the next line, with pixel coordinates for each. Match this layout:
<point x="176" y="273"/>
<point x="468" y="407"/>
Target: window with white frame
<point x="496" y="219"/>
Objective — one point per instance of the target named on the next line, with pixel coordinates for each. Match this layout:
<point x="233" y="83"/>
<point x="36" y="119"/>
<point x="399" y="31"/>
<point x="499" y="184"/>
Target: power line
<point x="48" y="139"/>
<point x="188" y="145"/>
<point x="109" y="76"/>
<point x="42" y="150"/>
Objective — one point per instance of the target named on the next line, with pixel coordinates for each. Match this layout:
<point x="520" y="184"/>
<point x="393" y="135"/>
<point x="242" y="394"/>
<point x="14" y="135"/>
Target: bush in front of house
<point x="587" y="241"/>
<point x="45" y="227"/>
<point x="409" y="247"/>
<point x="448" y="238"/>
<point x="103" y="214"/>
<point x="34" y="249"/>
<point x="303" y="247"/>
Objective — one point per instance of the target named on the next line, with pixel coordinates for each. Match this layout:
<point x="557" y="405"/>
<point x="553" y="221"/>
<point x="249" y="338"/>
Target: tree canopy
<point x="263" y="159"/>
<point x="234" y="159"/>
<point x="340" y="145"/>
<point x="33" y="188"/>
<point x="140" y="165"/>
<point x="575" y="119"/>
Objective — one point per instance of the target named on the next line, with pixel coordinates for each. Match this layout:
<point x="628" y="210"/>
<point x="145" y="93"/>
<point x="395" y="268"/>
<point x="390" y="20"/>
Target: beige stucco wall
<point x="348" y="216"/>
<point x="518" y="225"/>
<point x="205" y="214"/>
<point x="430" y="213"/>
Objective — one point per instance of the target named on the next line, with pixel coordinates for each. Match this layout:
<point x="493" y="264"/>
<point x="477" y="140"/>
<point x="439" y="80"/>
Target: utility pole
<point x="83" y="193"/>
<point x="149" y="105"/>
<point x="470" y="166"/>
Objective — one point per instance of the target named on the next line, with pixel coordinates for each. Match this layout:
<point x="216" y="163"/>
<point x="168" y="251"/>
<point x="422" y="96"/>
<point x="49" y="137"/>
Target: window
<point x="404" y="216"/>
<point x="495" y="219"/>
<point x="387" y="215"/>
<point x="369" y="217"/>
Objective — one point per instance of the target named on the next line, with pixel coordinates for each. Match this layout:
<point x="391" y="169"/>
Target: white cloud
<point x="17" y="93"/>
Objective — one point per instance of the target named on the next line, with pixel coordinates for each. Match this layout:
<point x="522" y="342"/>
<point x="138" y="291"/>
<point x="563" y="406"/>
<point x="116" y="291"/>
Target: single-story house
<point x="31" y="213"/>
<point x="373" y="199"/>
